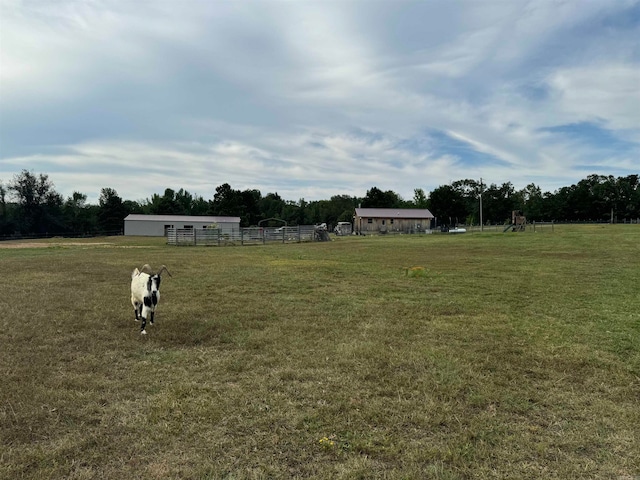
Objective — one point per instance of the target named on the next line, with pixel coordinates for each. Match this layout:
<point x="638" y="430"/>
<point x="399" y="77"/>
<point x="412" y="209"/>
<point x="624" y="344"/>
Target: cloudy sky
<point x="311" y="99"/>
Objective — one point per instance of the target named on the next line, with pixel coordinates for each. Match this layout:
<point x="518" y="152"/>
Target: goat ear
<point x="163" y="268"/>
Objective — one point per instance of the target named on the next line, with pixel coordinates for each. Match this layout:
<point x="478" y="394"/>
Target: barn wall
<point x="385" y="225"/>
<point x="155" y="228"/>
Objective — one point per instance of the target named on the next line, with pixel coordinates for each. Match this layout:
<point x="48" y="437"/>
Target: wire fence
<point x="504" y="228"/>
<point x="245" y="236"/>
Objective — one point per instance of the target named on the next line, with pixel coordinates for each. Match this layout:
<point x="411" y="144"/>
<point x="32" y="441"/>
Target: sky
<point x="311" y="99"/>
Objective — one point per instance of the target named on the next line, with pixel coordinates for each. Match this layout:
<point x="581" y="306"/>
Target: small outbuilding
<point x="392" y="220"/>
<point x="157" y="225"/>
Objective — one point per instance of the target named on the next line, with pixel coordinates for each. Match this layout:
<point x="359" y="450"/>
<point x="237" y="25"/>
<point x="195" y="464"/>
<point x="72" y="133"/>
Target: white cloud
<point x="603" y="92"/>
<point x="312" y="99"/>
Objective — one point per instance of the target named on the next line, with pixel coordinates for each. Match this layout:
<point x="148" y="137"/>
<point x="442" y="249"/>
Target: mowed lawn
<point x="509" y="355"/>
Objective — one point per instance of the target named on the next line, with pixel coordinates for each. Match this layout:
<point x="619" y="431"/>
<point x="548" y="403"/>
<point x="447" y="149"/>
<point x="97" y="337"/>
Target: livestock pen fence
<point x="243" y="236"/>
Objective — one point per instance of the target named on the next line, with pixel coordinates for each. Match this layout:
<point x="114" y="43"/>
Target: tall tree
<point x="38" y="204"/>
<point x="251" y="214"/>
<point x="167" y="204"/>
<point x="448" y="205"/>
<point x="227" y="201"/>
<point x="628" y="204"/>
<point x="302" y="212"/>
<point x="376" y="198"/>
<point x="6" y="225"/>
<point x="272" y="205"/>
<point x="533" y="199"/>
<point x="343" y="207"/>
<point x="420" y="199"/>
<point x="112" y="212"/>
<point x="498" y="202"/>
<point x="470" y="190"/>
<point x="78" y="215"/>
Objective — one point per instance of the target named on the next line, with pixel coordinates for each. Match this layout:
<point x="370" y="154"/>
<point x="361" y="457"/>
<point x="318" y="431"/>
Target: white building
<point x="157" y="225"/>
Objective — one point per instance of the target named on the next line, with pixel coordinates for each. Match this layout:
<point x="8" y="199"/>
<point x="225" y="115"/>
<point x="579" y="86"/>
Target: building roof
<point x="394" y="213"/>
<point x="181" y="218"/>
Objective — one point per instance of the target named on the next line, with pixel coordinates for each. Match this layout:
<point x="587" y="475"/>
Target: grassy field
<point x="510" y="355"/>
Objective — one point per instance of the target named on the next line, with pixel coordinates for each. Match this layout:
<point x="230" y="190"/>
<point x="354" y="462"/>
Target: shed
<point x="157" y="225"/>
<point x="392" y="220"/>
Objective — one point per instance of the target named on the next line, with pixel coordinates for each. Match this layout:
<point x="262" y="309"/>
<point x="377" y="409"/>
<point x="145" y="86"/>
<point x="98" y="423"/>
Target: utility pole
<point x="481" y="223"/>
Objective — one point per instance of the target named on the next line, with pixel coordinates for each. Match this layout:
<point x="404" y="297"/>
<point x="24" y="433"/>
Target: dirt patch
<point x="20" y="244"/>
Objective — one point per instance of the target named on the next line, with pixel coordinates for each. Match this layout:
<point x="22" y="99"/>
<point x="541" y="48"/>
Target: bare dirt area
<point x="27" y="244"/>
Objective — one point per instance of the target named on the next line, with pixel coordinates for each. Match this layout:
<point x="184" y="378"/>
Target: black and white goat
<point x="145" y="293"/>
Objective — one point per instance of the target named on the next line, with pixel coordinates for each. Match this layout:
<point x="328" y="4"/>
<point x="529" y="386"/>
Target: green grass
<point x="506" y="356"/>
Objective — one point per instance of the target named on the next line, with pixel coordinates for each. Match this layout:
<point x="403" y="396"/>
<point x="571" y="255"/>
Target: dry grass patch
<point x="511" y="356"/>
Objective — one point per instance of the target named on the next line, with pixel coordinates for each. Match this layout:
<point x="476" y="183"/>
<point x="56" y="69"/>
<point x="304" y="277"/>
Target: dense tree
<point x="292" y="212"/>
<point x="498" y="202"/>
<point x="343" y="208"/>
<point x="533" y="202"/>
<point x="132" y="206"/>
<point x="470" y="191"/>
<point x="420" y="199"/>
<point x="112" y="212"/>
<point x="226" y="201"/>
<point x="271" y="206"/>
<point x="79" y="217"/>
<point x="176" y="203"/>
<point x="250" y="214"/>
<point x="340" y="208"/>
<point x="230" y="202"/>
<point x="185" y="202"/>
<point x="38" y="204"/>
<point x="301" y="217"/>
<point x="586" y="200"/>
<point x="628" y="200"/>
<point x="167" y="204"/>
<point x="6" y="224"/>
<point x="29" y="204"/>
<point x="376" y="198"/>
<point x="448" y="205"/>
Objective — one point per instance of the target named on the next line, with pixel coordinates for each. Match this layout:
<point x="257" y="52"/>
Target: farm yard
<point x="511" y="355"/>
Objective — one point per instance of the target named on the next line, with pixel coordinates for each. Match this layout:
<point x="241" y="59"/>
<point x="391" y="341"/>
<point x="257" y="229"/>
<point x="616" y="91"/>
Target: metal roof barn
<point x="157" y="225"/>
<point x="392" y="220"/>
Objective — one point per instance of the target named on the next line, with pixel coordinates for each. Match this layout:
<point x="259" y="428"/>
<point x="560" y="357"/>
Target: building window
<point x="188" y="227"/>
<point x="384" y="222"/>
<point x="369" y="220"/>
<point x="391" y="221"/>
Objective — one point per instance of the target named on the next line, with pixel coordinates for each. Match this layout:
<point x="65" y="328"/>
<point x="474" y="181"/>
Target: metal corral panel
<point x="243" y="236"/>
<point x="158" y="225"/>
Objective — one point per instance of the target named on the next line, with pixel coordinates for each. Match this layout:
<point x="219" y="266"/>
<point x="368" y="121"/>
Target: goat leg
<point x="137" y="309"/>
<point x="147" y="311"/>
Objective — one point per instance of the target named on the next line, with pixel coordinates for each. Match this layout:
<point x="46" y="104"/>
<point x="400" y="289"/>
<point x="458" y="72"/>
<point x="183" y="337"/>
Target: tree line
<point x="30" y="205"/>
